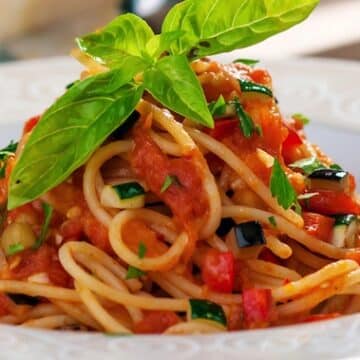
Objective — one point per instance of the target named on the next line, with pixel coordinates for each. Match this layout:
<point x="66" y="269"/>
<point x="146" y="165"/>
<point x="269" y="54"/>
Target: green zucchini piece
<point x="129" y="190"/>
<point x="344" y="219"/>
<point x="249" y="86"/>
<point x="207" y="310"/>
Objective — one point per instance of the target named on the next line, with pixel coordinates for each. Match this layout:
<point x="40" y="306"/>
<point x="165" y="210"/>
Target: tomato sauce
<point x="186" y="199"/>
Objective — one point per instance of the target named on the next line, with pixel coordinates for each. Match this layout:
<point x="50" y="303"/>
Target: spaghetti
<point x="178" y="229"/>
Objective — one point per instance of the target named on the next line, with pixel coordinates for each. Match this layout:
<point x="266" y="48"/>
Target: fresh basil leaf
<point x="280" y="186"/>
<point x="142" y="250"/>
<point x="249" y="62"/>
<point x="246" y="124"/>
<point x="172" y="82"/>
<point x="122" y="41"/>
<point x="218" y="107"/>
<point x="48" y="211"/>
<point x="249" y="86"/>
<point x="308" y="165"/>
<point x="14" y="249"/>
<point x="216" y="26"/>
<point x="160" y="44"/>
<point x="169" y="180"/>
<point x="134" y="273"/>
<point x="69" y="132"/>
<point x="302" y="118"/>
<point x="70" y="85"/>
<point x="2" y="171"/>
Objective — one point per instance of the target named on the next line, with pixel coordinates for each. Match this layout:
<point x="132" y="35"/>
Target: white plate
<point x="326" y="91"/>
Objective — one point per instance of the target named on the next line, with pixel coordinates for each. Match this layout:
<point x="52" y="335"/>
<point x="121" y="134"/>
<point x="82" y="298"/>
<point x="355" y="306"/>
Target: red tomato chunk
<point x="257" y="307"/>
<point x="218" y="271"/>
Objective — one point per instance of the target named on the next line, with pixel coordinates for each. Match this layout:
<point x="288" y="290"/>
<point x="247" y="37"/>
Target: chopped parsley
<point x="247" y="125"/>
<point x="133" y="273"/>
<point x="169" y="180"/>
<point x="302" y="118"/>
<point x="218" y="107"/>
<point x="14" y="249"/>
<point x="48" y="211"/>
<point x="142" y="250"/>
<point x="281" y="188"/>
<point x="272" y="221"/>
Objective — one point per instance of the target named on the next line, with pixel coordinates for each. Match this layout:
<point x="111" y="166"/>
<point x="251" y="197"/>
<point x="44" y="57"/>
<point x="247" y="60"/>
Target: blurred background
<point x="40" y="28"/>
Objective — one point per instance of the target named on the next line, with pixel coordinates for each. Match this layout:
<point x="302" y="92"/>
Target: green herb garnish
<point x="308" y="165"/>
<point x="302" y="118"/>
<point x="249" y="86"/>
<point x="134" y="273"/>
<point x="249" y="62"/>
<point x="80" y="120"/>
<point x="218" y="107"/>
<point x="272" y="221"/>
<point x="281" y="188"/>
<point x="48" y="211"/>
<point x="142" y="250"/>
<point x="169" y="180"/>
<point x="14" y="249"/>
<point x="247" y="125"/>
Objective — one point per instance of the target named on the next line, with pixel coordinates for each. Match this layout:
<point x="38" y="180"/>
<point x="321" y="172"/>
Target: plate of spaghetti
<point x="165" y="193"/>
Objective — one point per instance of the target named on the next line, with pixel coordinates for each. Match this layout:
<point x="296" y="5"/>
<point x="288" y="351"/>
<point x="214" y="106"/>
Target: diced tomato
<point x="33" y="262"/>
<point x="72" y="229"/>
<point x="156" y="322"/>
<point x="318" y="225"/>
<point x="31" y="123"/>
<point x="321" y="317"/>
<point x="290" y="144"/>
<point x="257" y="307"/>
<point x="7" y="306"/>
<point x="260" y="76"/>
<point x="58" y="276"/>
<point x="218" y="270"/>
<point x="352" y="183"/>
<point x="331" y="203"/>
<point x="96" y="232"/>
<point x="223" y="128"/>
<point x="268" y="256"/>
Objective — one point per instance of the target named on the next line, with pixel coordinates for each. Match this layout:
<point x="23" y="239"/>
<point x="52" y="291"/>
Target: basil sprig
<point x="79" y="121"/>
<point x="281" y="187"/>
<point x="215" y="26"/>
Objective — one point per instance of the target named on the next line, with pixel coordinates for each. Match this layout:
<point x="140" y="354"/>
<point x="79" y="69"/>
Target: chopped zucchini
<point x="345" y="230"/>
<point x="329" y="179"/>
<point x="129" y="195"/>
<point x="204" y="310"/>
